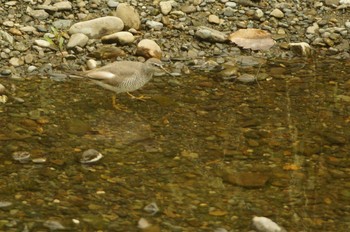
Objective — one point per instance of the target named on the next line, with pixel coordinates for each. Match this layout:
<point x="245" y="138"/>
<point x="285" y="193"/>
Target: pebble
<point x="8" y="23"/>
<point x="151" y="208"/>
<point x="112" y="3"/>
<point x="53" y="225"/>
<point x="165" y="7"/>
<point x="77" y="39"/>
<point x="10" y="3"/>
<point x="39" y="160"/>
<point x="301" y="49"/>
<point x="231" y="4"/>
<point x="6" y="37"/>
<point x="42" y="43"/>
<point x="6" y="72"/>
<point x="5" y="204"/>
<point x="154" y="25"/>
<point x="21" y="156"/>
<point x="62" y="24"/>
<point x="312" y="29"/>
<point x="37" y="14"/>
<point x="277" y="13"/>
<point x="90" y="156"/>
<point x="62" y="6"/>
<point x="91" y="64"/>
<point x="209" y="34"/>
<point x="263" y="224"/>
<point x="122" y="38"/>
<point x="14" y="61"/>
<point x="2" y="88"/>
<point x="31" y="68"/>
<point x="214" y="19"/>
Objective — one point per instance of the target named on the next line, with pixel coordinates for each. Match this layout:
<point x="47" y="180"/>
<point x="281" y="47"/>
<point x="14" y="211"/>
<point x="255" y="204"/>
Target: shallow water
<point x="210" y="153"/>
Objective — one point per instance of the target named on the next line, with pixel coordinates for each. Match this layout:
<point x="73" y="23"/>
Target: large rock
<point x="129" y="15"/>
<point x="148" y="48"/>
<point x="96" y="28"/>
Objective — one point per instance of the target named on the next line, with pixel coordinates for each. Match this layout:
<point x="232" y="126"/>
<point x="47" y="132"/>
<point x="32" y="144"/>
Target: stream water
<point x="208" y="153"/>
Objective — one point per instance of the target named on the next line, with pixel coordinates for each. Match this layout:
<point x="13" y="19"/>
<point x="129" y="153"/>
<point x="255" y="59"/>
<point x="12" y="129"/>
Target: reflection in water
<point x="210" y="154"/>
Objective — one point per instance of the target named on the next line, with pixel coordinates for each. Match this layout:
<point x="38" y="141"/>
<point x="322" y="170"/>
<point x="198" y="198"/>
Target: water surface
<point x="210" y="153"/>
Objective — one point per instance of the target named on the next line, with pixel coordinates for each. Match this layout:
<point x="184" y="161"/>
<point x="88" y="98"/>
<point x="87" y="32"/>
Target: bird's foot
<point x="140" y="98"/>
<point x="118" y="106"/>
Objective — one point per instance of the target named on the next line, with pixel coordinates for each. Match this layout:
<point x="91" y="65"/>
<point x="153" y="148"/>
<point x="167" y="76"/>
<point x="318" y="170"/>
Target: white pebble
<point x="143" y="223"/>
<point x="91" y="64"/>
<point x="42" y="43"/>
<point x="151" y="208"/>
<point x="264" y="224"/>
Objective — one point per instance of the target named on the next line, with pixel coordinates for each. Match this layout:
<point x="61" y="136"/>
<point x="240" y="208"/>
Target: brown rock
<point x="246" y="179"/>
<point x="148" y="48"/>
<point x="129" y="15"/>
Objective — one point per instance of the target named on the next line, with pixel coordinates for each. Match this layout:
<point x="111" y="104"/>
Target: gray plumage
<point x="124" y="76"/>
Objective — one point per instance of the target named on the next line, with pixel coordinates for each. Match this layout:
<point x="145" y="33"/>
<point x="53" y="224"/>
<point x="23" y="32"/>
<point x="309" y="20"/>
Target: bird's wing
<point x="114" y="73"/>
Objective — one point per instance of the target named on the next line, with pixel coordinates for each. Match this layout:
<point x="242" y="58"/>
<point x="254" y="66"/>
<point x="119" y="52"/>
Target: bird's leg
<point x="118" y="106"/>
<point x="140" y="98"/>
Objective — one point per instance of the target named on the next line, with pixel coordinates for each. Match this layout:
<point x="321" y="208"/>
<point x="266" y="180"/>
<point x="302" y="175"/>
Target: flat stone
<point x="61" y="6"/>
<point x="96" y="28"/>
<point x="37" y="14"/>
<point x="27" y="29"/>
<point x="62" y="23"/>
<point x="228" y="11"/>
<point x="209" y="34"/>
<point x="112" y="3"/>
<point x="246" y="179"/>
<point x="231" y="4"/>
<point x="8" y="23"/>
<point x="331" y="2"/>
<point x="154" y="25"/>
<point x="6" y="37"/>
<point x="213" y="19"/>
<point x="10" y="3"/>
<point x="42" y="43"/>
<point x="189" y="9"/>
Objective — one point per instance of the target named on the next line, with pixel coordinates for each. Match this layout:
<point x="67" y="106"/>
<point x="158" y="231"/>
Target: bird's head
<point x="155" y="65"/>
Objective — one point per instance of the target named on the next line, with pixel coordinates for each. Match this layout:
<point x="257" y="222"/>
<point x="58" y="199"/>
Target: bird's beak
<point x="166" y="70"/>
<point x="162" y="68"/>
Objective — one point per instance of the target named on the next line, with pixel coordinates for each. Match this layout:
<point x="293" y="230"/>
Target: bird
<point x="124" y="76"/>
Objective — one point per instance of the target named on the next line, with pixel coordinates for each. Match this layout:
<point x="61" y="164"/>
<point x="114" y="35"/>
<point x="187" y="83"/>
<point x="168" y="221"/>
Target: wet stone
<point x="90" y="156"/>
<point x="246" y="179"/>
<point x="77" y="126"/>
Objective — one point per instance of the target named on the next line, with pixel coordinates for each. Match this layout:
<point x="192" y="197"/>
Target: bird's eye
<point x="156" y="64"/>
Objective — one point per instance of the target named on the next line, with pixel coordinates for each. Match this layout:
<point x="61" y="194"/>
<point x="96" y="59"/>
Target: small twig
<point x="256" y="76"/>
